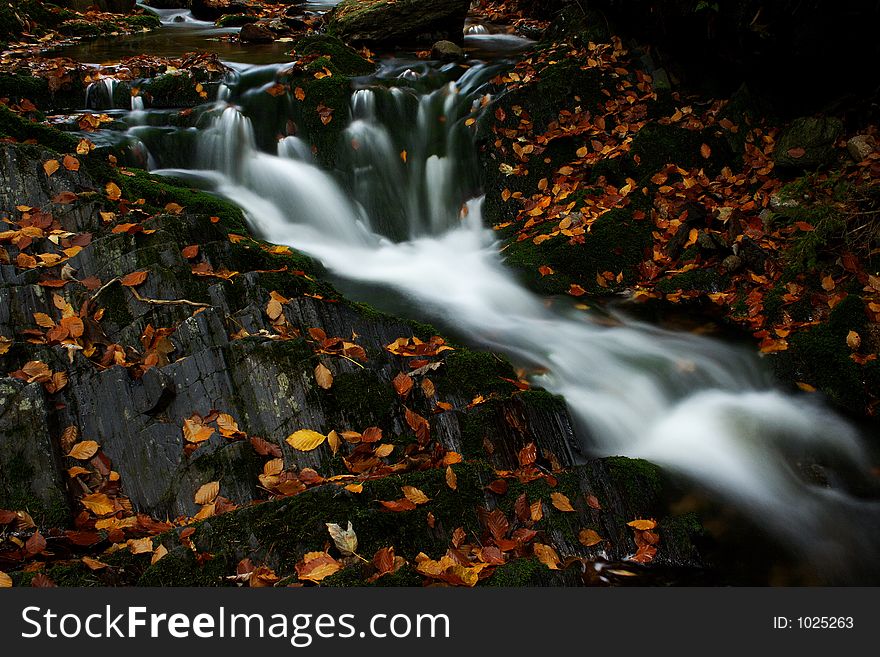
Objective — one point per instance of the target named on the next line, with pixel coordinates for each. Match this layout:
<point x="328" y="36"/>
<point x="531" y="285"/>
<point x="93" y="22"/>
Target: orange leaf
<point x="50" y="166"/>
<point x="134" y="279"/>
<point x="561" y="502"/>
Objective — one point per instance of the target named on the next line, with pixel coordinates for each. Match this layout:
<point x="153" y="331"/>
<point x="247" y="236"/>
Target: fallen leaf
<point x="207" y="492"/>
<point x="561" y="502"/>
<point x="134" y="279"/>
<point x="546" y="555"/>
<point x="305" y="440"/>
<point x="415" y="495"/>
<point x="323" y="376"/>
<point x="83" y="450"/>
<point x="589" y="537"/>
<point x="345" y="539"/>
<point x="642" y="525"/>
<point x="50" y="166"/>
<point x="98" y="503"/>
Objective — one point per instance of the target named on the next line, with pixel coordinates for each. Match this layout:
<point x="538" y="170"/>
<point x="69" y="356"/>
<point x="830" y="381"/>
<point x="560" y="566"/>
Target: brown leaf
<point x="589" y="537"/>
<point x="113" y="191"/>
<point x="323" y="376"/>
<point x="83" y="450"/>
<point x="547" y="555"/>
<point x="207" y="492"/>
<point x="403" y="383"/>
<point x="71" y="163"/>
<point x="642" y="525"/>
<point x="398" y="505"/>
<point x="451" y="479"/>
<point x="134" y="279"/>
<point x="561" y="502"/>
<point x="415" y="495"/>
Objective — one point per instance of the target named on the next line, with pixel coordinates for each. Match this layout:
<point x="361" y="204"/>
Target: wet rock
<point x="31" y="473"/>
<point x="255" y="33"/>
<point x="400" y="22"/>
<point x="168" y="4"/>
<point x="211" y="10"/>
<point x="446" y="51"/>
<point x="860" y="147"/>
<point x="807" y="143"/>
<point x="112" y="6"/>
<point x="732" y="263"/>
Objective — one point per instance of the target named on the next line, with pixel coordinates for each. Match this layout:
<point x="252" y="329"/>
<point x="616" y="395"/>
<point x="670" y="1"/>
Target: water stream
<point x="413" y="226"/>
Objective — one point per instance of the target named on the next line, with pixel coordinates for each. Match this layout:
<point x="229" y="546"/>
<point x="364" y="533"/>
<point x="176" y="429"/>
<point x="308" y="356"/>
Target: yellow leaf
<point x="140" y="545"/>
<point x="451" y="479"/>
<point x="536" y="510"/>
<point x="113" y="191"/>
<point x="93" y="564"/>
<point x="323" y="376"/>
<point x="384" y="450"/>
<point x="333" y="440"/>
<point x="76" y="470"/>
<point x="273" y="467"/>
<point x="547" y="556"/>
<point x="415" y="495"/>
<point x="227" y="425"/>
<point x="83" y="450"/>
<point x="98" y="503"/>
<point x="207" y="492"/>
<point x="589" y="537"/>
<point x="158" y="553"/>
<point x="561" y="502"/>
<point x="196" y="432"/>
<point x="50" y="167"/>
<point x="305" y="440"/>
<point x="853" y="340"/>
<point x="642" y="525"/>
<point x="355" y="488"/>
<point x="5" y="581"/>
<point x="42" y="319"/>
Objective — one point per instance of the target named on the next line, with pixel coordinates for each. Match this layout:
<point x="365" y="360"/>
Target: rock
<point x="255" y="33"/>
<point x="860" y="147"/>
<point x="211" y="10"/>
<point x="168" y="4"/>
<point x="807" y="143"/>
<point x="732" y="263"/>
<point x="111" y="6"/>
<point x="32" y="480"/>
<point x="446" y="51"/>
<point x="400" y="22"/>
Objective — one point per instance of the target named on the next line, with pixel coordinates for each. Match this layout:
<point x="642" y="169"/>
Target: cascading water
<point x="410" y="223"/>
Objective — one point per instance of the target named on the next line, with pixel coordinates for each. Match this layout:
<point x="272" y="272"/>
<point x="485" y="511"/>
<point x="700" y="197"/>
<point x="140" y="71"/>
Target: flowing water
<point x="413" y="228"/>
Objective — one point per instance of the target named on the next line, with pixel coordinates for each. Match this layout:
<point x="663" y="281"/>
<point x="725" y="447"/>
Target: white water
<point x="692" y="404"/>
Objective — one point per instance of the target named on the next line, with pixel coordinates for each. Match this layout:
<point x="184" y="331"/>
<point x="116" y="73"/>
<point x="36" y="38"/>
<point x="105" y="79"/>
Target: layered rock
<point x="398" y="23"/>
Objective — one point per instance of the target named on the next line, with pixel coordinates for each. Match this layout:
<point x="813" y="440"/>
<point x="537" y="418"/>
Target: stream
<point x="410" y="234"/>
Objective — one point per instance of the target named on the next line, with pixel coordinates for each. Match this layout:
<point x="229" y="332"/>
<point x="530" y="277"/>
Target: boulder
<point x="860" y="147"/>
<point x="807" y="143"/>
<point x="446" y="51"/>
<point x="255" y="33"/>
<point x="400" y="22"/>
<point x="212" y="10"/>
<point x="168" y="4"/>
<point x="112" y="6"/>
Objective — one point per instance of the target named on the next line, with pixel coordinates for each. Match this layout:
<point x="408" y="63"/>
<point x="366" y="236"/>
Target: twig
<point x="169" y="302"/>
<point x="95" y="296"/>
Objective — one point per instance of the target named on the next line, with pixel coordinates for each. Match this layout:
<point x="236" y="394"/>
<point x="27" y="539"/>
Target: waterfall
<point x="100" y="94"/>
<point x="694" y="405"/>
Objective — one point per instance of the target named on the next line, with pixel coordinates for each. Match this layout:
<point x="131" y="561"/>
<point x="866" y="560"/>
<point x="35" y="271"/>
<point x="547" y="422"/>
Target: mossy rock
<point x="657" y="145"/>
<point x="616" y="243"/>
<point x="234" y="20"/>
<point x="820" y="357"/>
<point x="398" y="22"/>
<point x="143" y="22"/>
<point x="22" y="130"/>
<point x="808" y="143"/>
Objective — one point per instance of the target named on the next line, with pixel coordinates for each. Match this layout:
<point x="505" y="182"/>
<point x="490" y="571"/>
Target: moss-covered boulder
<point x="808" y="143"/>
<point x="398" y="22"/>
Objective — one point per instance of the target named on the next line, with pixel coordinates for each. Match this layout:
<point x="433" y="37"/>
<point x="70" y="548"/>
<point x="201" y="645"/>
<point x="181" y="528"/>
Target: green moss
<point x="703" y="280"/>
<point x="641" y="482"/>
<point x="518" y="573"/>
<point x="143" y="21"/>
<point x="16" y="490"/>
<point x="20" y="129"/>
<point x="470" y="373"/>
<point x="84" y="28"/>
<point x="616" y="243"/>
<point x="357" y="575"/>
<point x="280" y="532"/>
<point x="820" y="356"/>
<point x="361" y="396"/>
<point x="342" y="58"/>
<point x="173" y="90"/>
